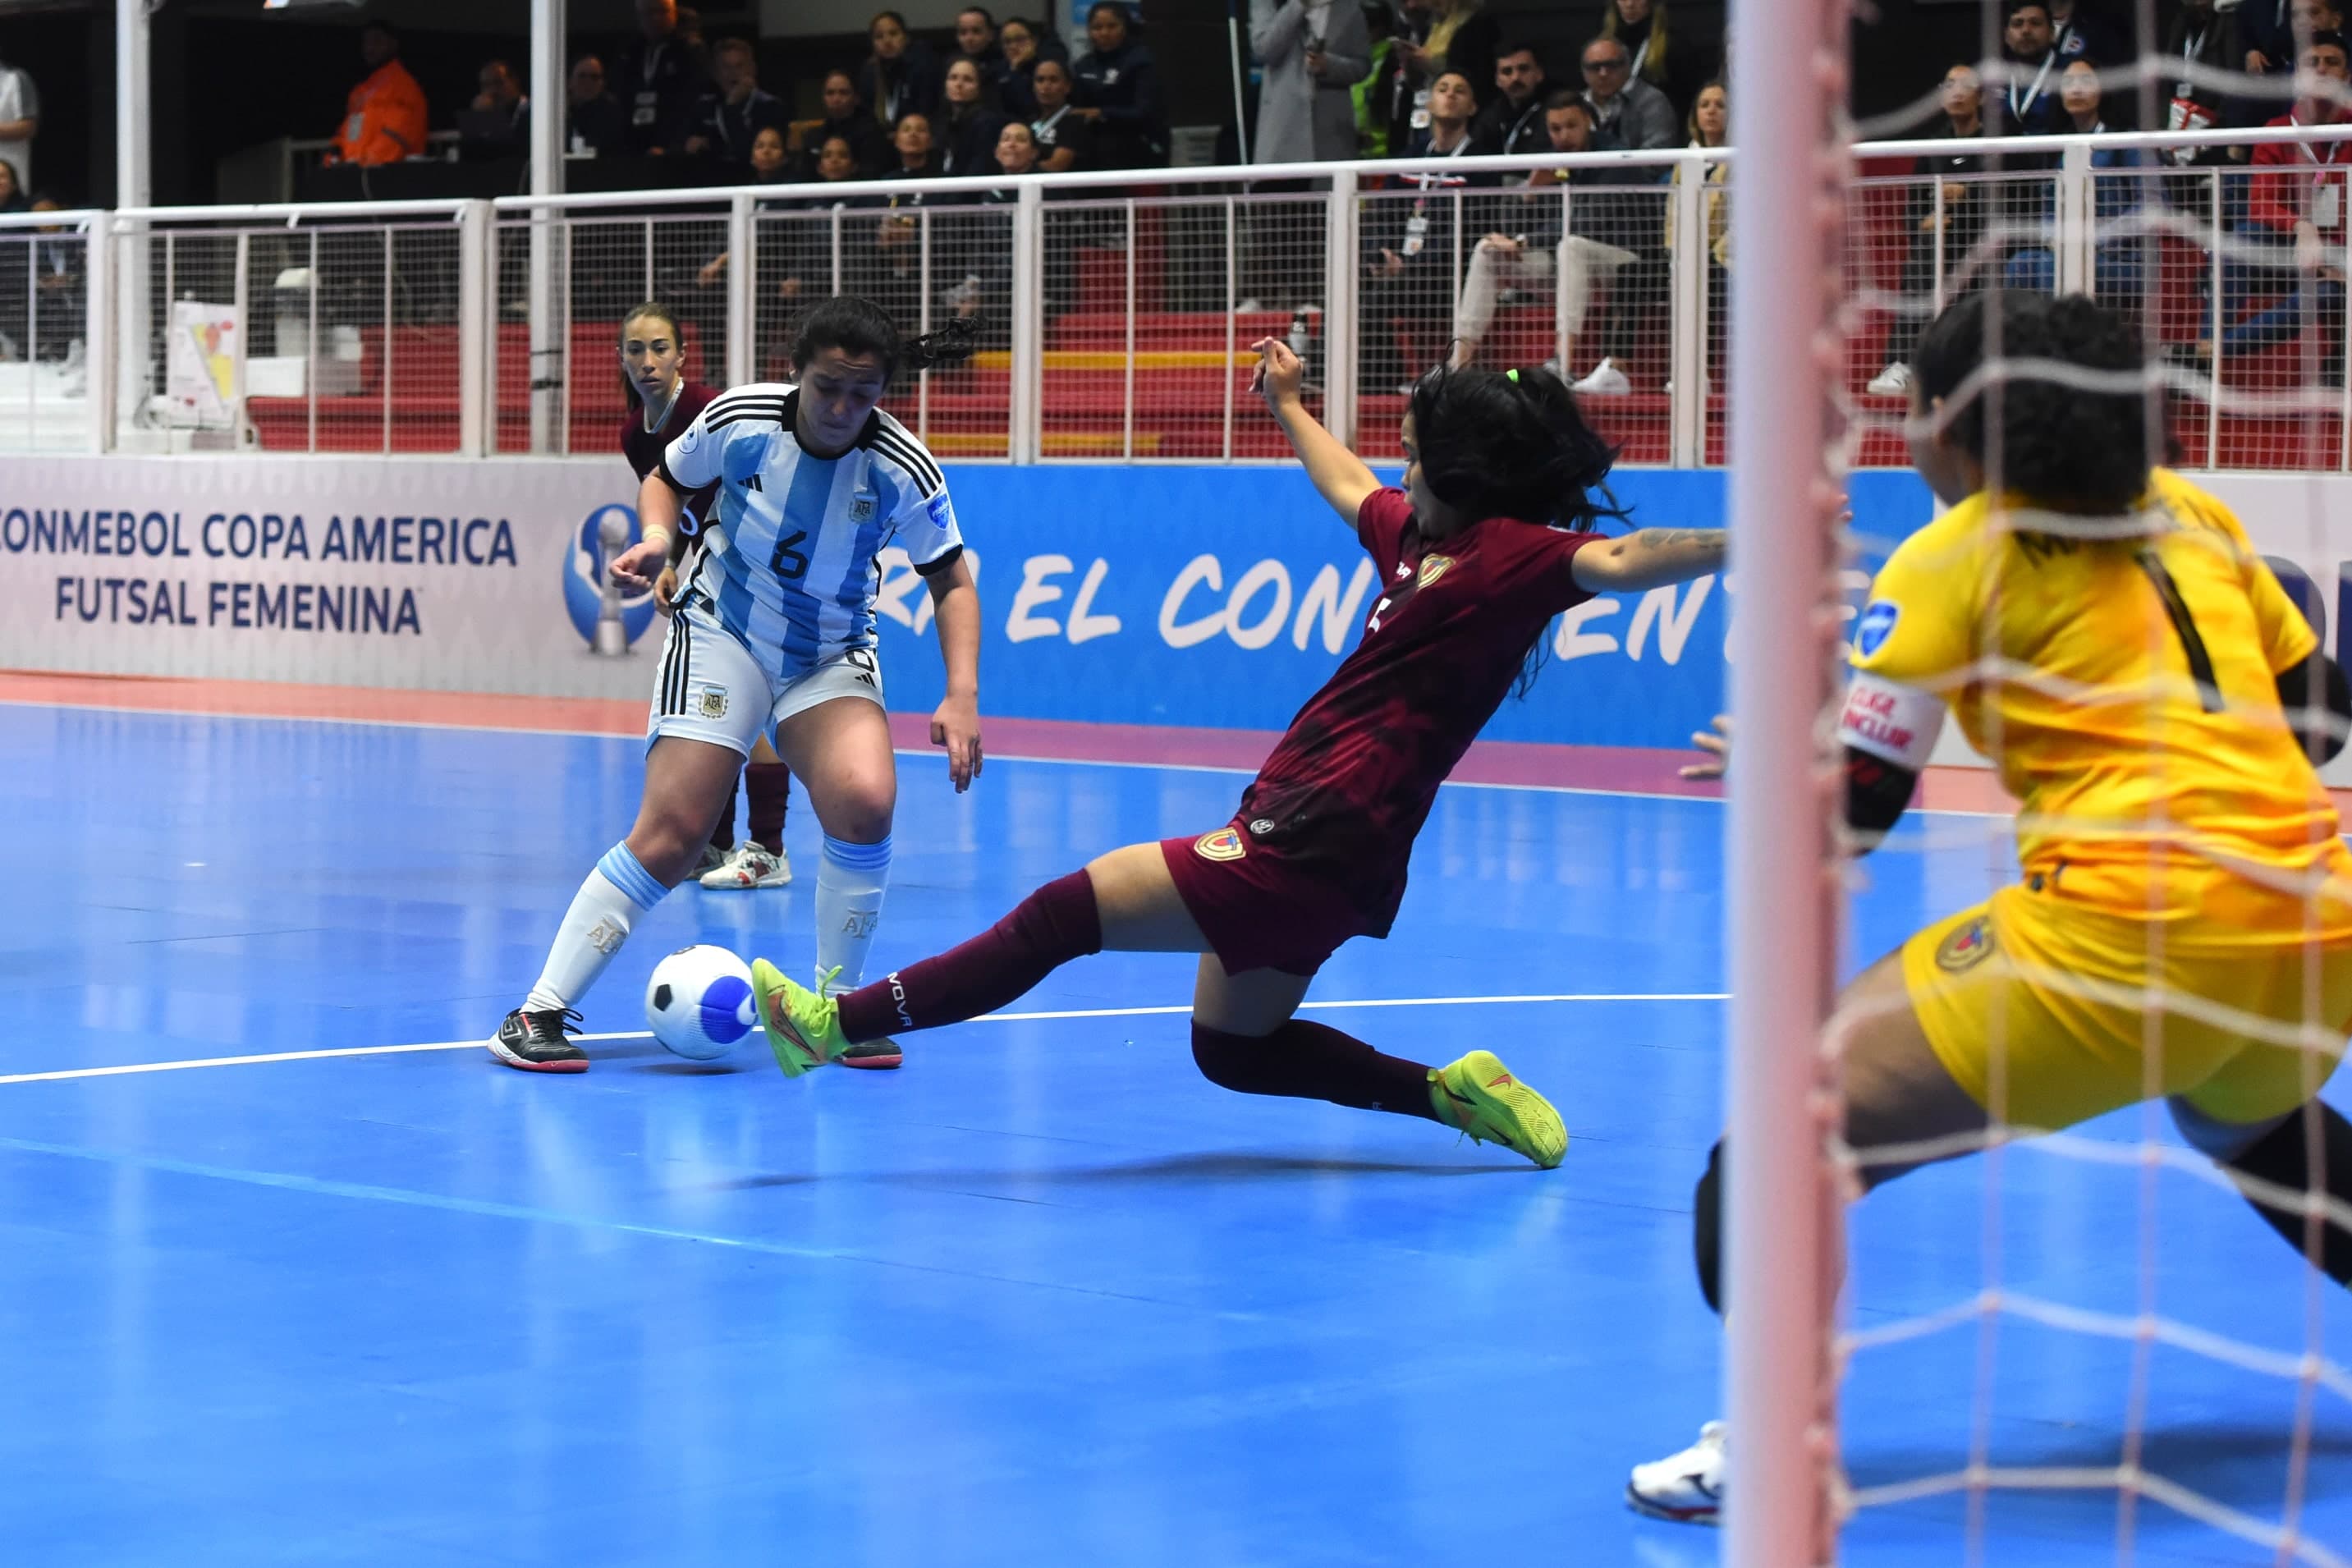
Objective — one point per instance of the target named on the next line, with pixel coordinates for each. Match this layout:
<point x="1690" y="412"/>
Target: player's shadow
<point x="1214" y="1167"/>
<point x="676" y="1067"/>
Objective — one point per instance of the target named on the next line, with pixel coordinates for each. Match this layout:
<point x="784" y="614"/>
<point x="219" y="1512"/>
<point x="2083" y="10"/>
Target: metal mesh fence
<point x="1146" y="303"/>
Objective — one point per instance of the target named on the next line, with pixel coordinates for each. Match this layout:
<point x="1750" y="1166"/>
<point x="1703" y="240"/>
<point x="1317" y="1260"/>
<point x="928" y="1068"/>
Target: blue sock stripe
<point x="856" y="856"/>
<point x="622" y="869"/>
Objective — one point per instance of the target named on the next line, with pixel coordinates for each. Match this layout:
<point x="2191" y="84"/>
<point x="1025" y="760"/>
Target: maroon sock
<point x="722" y="838"/>
<point x="1307" y="1061"/>
<point x="768" y="784"/>
<point x="1052" y="926"/>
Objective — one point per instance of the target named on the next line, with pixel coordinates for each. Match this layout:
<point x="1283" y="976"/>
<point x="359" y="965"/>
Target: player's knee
<point x="1706" y="1228"/>
<point x="2221" y="1142"/>
<point x="860" y="812"/>
<point x="1223" y="1059"/>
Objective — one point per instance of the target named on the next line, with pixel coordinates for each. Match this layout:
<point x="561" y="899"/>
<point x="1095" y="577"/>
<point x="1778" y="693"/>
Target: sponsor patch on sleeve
<point x="1876" y="625"/>
<point x="942" y="513"/>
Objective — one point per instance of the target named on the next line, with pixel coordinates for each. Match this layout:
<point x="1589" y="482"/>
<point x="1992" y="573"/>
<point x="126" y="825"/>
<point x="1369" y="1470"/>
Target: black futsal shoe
<point x="536" y="1042"/>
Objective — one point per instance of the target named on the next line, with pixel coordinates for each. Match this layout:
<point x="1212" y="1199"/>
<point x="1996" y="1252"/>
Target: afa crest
<point x="714" y="702"/>
<point x="1966" y="946"/>
<point x="861" y="509"/>
<point x="1225" y="844"/>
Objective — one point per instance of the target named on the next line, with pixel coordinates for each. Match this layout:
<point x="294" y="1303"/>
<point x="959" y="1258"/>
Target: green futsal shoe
<point x="1477" y="1094"/>
<point x="802" y="1027"/>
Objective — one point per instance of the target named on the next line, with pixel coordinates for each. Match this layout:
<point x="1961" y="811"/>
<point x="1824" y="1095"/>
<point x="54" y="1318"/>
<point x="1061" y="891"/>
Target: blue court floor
<point x="1043" y="1297"/>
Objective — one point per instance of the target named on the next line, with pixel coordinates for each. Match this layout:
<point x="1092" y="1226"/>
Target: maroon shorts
<point x="1259" y="909"/>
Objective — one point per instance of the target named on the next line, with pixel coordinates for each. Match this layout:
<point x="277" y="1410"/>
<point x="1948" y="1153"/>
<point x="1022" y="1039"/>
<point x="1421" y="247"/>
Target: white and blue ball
<point x="699" y="1001"/>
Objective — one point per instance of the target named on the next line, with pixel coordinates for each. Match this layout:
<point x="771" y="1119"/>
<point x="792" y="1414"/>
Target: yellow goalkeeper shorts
<point x="2048" y="1012"/>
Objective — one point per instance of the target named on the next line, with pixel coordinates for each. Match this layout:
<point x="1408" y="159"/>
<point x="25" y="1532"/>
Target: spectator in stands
<point x="501" y="126"/>
<point x="1663" y="56"/>
<point x="1118" y="89"/>
<point x="12" y="192"/>
<point x="976" y="42"/>
<point x="1432" y="37"/>
<point x="2079" y="33"/>
<point x="901" y="76"/>
<point x="662" y="82"/>
<point x="2202" y="41"/>
<point x="20" y="117"/>
<point x="736" y="110"/>
<point x="893" y="276"/>
<point x="16" y="272"/>
<point x="597" y="125"/>
<point x="805" y="257"/>
<point x="1710" y="126"/>
<point x="967" y="126"/>
<point x="2294" y="224"/>
<point x="982" y="243"/>
<point x="846" y="117"/>
<point x="1022" y="49"/>
<point x="1514" y="120"/>
<point x="2115" y="261"/>
<point x="1312" y="50"/>
<point x="768" y="166"/>
<point x="1065" y="139"/>
<point x="1366" y="95"/>
<point x="2027" y="103"/>
<point x="1630" y="112"/>
<point x="1947" y="217"/>
<point x="1411" y="246"/>
<point x="384" y="117"/>
<point x="1528" y="255"/>
<point x="2271" y="35"/>
<point x="59" y="290"/>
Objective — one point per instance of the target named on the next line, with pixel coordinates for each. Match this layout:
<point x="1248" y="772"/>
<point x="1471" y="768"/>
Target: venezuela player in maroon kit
<point x="1486" y="545"/>
<point x="662" y="403"/>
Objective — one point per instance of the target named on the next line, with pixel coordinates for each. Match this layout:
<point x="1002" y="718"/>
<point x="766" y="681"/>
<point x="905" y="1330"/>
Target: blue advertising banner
<point x="1223" y="597"/>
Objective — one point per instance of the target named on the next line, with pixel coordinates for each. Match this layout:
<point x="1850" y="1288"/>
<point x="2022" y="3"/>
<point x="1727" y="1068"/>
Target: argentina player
<point x="775" y="634"/>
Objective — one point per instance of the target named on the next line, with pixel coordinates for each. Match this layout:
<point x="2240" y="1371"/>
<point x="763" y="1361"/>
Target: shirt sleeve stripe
<point x="909" y="454"/>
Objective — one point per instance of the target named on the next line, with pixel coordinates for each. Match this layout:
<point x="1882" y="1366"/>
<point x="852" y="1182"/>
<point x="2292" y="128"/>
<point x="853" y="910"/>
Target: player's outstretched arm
<point x="1337" y="473"/>
<point x="955" y="723"/>
<point x="657" y="514"/>
<point x="1650" y="558"/>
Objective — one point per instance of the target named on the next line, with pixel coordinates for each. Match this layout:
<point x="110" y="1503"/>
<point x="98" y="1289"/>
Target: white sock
<point x="849" y="882"/>
<point x="594" y="928"/>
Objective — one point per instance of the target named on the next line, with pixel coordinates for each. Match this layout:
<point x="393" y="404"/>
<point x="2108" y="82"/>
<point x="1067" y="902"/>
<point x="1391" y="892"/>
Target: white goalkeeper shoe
<point x="1686" y="1487"/>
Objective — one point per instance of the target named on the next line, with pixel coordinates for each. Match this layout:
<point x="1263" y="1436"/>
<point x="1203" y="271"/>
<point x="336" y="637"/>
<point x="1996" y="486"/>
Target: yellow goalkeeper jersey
<point x="2125" y="687"/>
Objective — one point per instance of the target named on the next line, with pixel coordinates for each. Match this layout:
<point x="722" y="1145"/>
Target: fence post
<point x="1341" y="319"/>
<point x="1687" y="403"/>
<point x="2076" y="209"/>
<point x="742" y="269"/>
<point x="1023" y="439"/>
<point x="476" y="325"/>
<point x="99" y="328"/>
<point x="547" y="330"/>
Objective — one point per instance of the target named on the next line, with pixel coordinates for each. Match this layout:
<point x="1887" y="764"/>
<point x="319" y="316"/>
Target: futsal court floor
<point x="292" y="1272"/>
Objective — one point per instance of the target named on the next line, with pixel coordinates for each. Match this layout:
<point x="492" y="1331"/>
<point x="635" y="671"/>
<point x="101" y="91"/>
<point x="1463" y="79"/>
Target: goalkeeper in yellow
<point x="2106" y="633"/>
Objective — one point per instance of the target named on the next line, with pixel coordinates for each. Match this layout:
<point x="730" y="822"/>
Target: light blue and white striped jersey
<point x="788" y="566"/>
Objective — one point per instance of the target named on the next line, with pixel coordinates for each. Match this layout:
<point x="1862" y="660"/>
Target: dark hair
<point x="859" y="326"/>
<point x="2328" y="37"/>
<point x="1497" y="444"/>
<point x="983" y="13"/>
<point x="1565" y="98"/>
<point x="2068" y="448"/>
<point x="1519" y="47"/>
<point x="893" y="15"/>
<point x="2014" y="6"/>
<point x="734" y="43"/>
<point x="659" y="312"/>
<point x="1119" y="8"/>
<point x="378" y="25"/>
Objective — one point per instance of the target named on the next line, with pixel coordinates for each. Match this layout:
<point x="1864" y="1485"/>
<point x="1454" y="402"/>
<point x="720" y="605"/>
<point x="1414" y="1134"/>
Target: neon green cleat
<point x="803" y="1028"/>
<point x="1477" y="1094"/>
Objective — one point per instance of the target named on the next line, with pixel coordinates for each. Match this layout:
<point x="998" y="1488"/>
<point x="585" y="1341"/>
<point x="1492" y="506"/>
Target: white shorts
<point x="709" y="688"/>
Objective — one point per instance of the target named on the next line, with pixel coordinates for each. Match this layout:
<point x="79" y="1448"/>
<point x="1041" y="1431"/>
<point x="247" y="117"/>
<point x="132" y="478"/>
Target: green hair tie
<point x="1512" y="373"/>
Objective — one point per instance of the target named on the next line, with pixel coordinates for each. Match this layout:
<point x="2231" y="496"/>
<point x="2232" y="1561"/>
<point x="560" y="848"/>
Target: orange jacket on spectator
<point x="2296" y="181"/>
<point x="383" y="119"/>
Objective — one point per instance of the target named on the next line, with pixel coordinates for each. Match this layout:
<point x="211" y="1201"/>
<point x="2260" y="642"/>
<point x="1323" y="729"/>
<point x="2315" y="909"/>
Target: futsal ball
<point x="699" y="1001"/>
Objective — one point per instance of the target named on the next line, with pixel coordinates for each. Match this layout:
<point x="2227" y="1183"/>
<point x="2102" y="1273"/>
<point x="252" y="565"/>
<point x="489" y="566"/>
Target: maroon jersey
<point x="644" y="448"/>
<point x="1358" y="770"/>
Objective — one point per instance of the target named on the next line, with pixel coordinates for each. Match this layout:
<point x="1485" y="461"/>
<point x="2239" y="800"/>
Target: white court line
<point x="129" y="1068"/>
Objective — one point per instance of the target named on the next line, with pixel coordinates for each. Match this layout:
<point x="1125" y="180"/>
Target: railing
<point x="1117" y="311"/>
